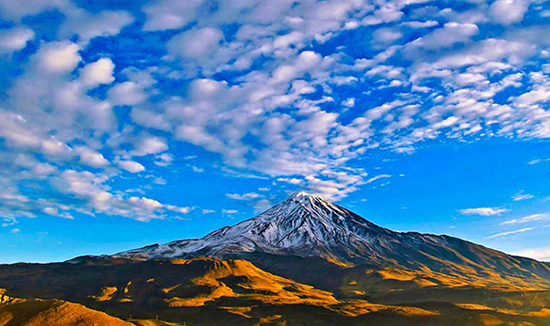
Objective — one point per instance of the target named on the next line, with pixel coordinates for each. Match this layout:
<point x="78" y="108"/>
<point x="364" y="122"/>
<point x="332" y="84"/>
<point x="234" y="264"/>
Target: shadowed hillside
<point x="309" y="226"/>
<point x="208" y="291"/>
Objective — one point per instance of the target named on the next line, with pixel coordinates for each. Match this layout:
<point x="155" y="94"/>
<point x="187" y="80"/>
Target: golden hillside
<point x="210" y="292"/>
<point x="36" y="312"/>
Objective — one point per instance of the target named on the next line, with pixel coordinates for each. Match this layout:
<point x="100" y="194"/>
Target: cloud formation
<point x="483" y="211"/>
<point x="504" y="234"/>
<point x="296" y="92"/>
<point x="526" y="219"/>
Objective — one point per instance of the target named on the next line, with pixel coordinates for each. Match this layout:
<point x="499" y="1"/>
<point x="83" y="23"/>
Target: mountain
<point x="305" y="261"/>
<point x="210" y="291"/>
<point x="311" y="227"/>
<point x="197" y="291"/>
<point x="36" y="312"/>
<point x="303" y="225"/>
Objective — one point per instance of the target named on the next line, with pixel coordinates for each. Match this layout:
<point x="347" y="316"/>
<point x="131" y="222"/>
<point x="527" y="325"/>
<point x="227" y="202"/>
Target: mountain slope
<point x="304" y="262"/>
<point x="36" y="312"/>
<point x="309" y="226"/>
<point x="210" y="292"/>
<point x="198" y="291"/>
<point x="169" y="283"/>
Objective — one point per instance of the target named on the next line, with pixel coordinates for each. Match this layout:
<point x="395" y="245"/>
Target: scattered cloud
<point x="526" y="219"/>
<point x="258" y="94"/>
<point x="197" y="169"/>
<point x="292" y="181"/>
<point x="246" y="196"/>
<point x="508" y="12"/>
<point x="537" y="161"/>
<point x="541" y="254"/>
<point x="131" y="166"/>
<point x="159" y="181"/>
<point x="15" y="39"/>
<point x="483" y="211"/>
<point x="378" y="177"/>
<point x="504" y="234"/>
<point x="521" y="195"/>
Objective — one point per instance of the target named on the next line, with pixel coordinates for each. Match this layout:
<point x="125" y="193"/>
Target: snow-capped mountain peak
<point x="302" y="225"/>
<point x="306" y="225"/>
<point x="304" y="197"/>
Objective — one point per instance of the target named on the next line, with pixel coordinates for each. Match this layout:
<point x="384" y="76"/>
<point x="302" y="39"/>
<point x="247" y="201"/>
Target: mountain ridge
<point x="304" y="261"/>
<point x="305" y="225"/>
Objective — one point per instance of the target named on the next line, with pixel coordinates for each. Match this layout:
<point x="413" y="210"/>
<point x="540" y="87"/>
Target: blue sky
<point x="126" y="123"/>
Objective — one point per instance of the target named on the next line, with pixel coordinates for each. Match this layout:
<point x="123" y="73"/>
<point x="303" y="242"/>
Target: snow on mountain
<point x="305" y="225"/>
<point x="302" y="225"/>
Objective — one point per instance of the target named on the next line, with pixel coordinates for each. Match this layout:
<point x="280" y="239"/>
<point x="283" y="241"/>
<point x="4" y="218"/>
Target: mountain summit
<point x="303" y="225"/>
<point x="308" y="226"/>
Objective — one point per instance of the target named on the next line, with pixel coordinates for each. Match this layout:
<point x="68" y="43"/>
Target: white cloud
<point x="246" y="196"/>
<point x="196" y="43"/>
<point x="97" y="73"/>
<point x="145" y="203"/>
<point x="269" y="111"/>
<point x="292" y="181"/>
<point x="450" y="34"/>
<point x="12" y="129"/>
<point x="485" y="51"/>
<point x="305" y="61"/>
<point x="131" y="166"/>
<point x="88" y="26"/>
<point x="541" y="254"/>
<point x="378" y="177"/>
<point x="148" y="118"/>
<point x="147" y="145"/>
<point x="15" y="39"/>
<point x="522" y="196"/>
<point x="54" y="211"/>
<point x="508" y="12"/>
<point x="164" y="160"/>
<point x="349" y="102"/>
<point x="96" y="198"/>
<point x="170" y="14"/>
<point x="127" y="93"/>
<point x="181" y="210"/>
<point x="483" y="211"/>
<point x="54" y="148"/>
<point x="504" y="234"/>
<point x="421" y="24"/>
<point x="17" y="9"/>
<point x="58" y="57"/>
<point x="527" y="219"/>
<point x="91" y="157"/>
<point x="133" y="91"/>
<point x="445" y="123"/>
<point x="196" y="169"/>
<point x="537" y="161"/>
<point x="387" y="35"/>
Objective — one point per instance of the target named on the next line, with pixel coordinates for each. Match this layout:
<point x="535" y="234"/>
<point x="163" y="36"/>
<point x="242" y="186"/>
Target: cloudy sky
<point x="125" y="123"/>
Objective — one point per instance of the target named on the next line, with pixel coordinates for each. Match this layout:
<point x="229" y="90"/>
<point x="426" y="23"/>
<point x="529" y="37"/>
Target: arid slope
<point x="37" y="312"/>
